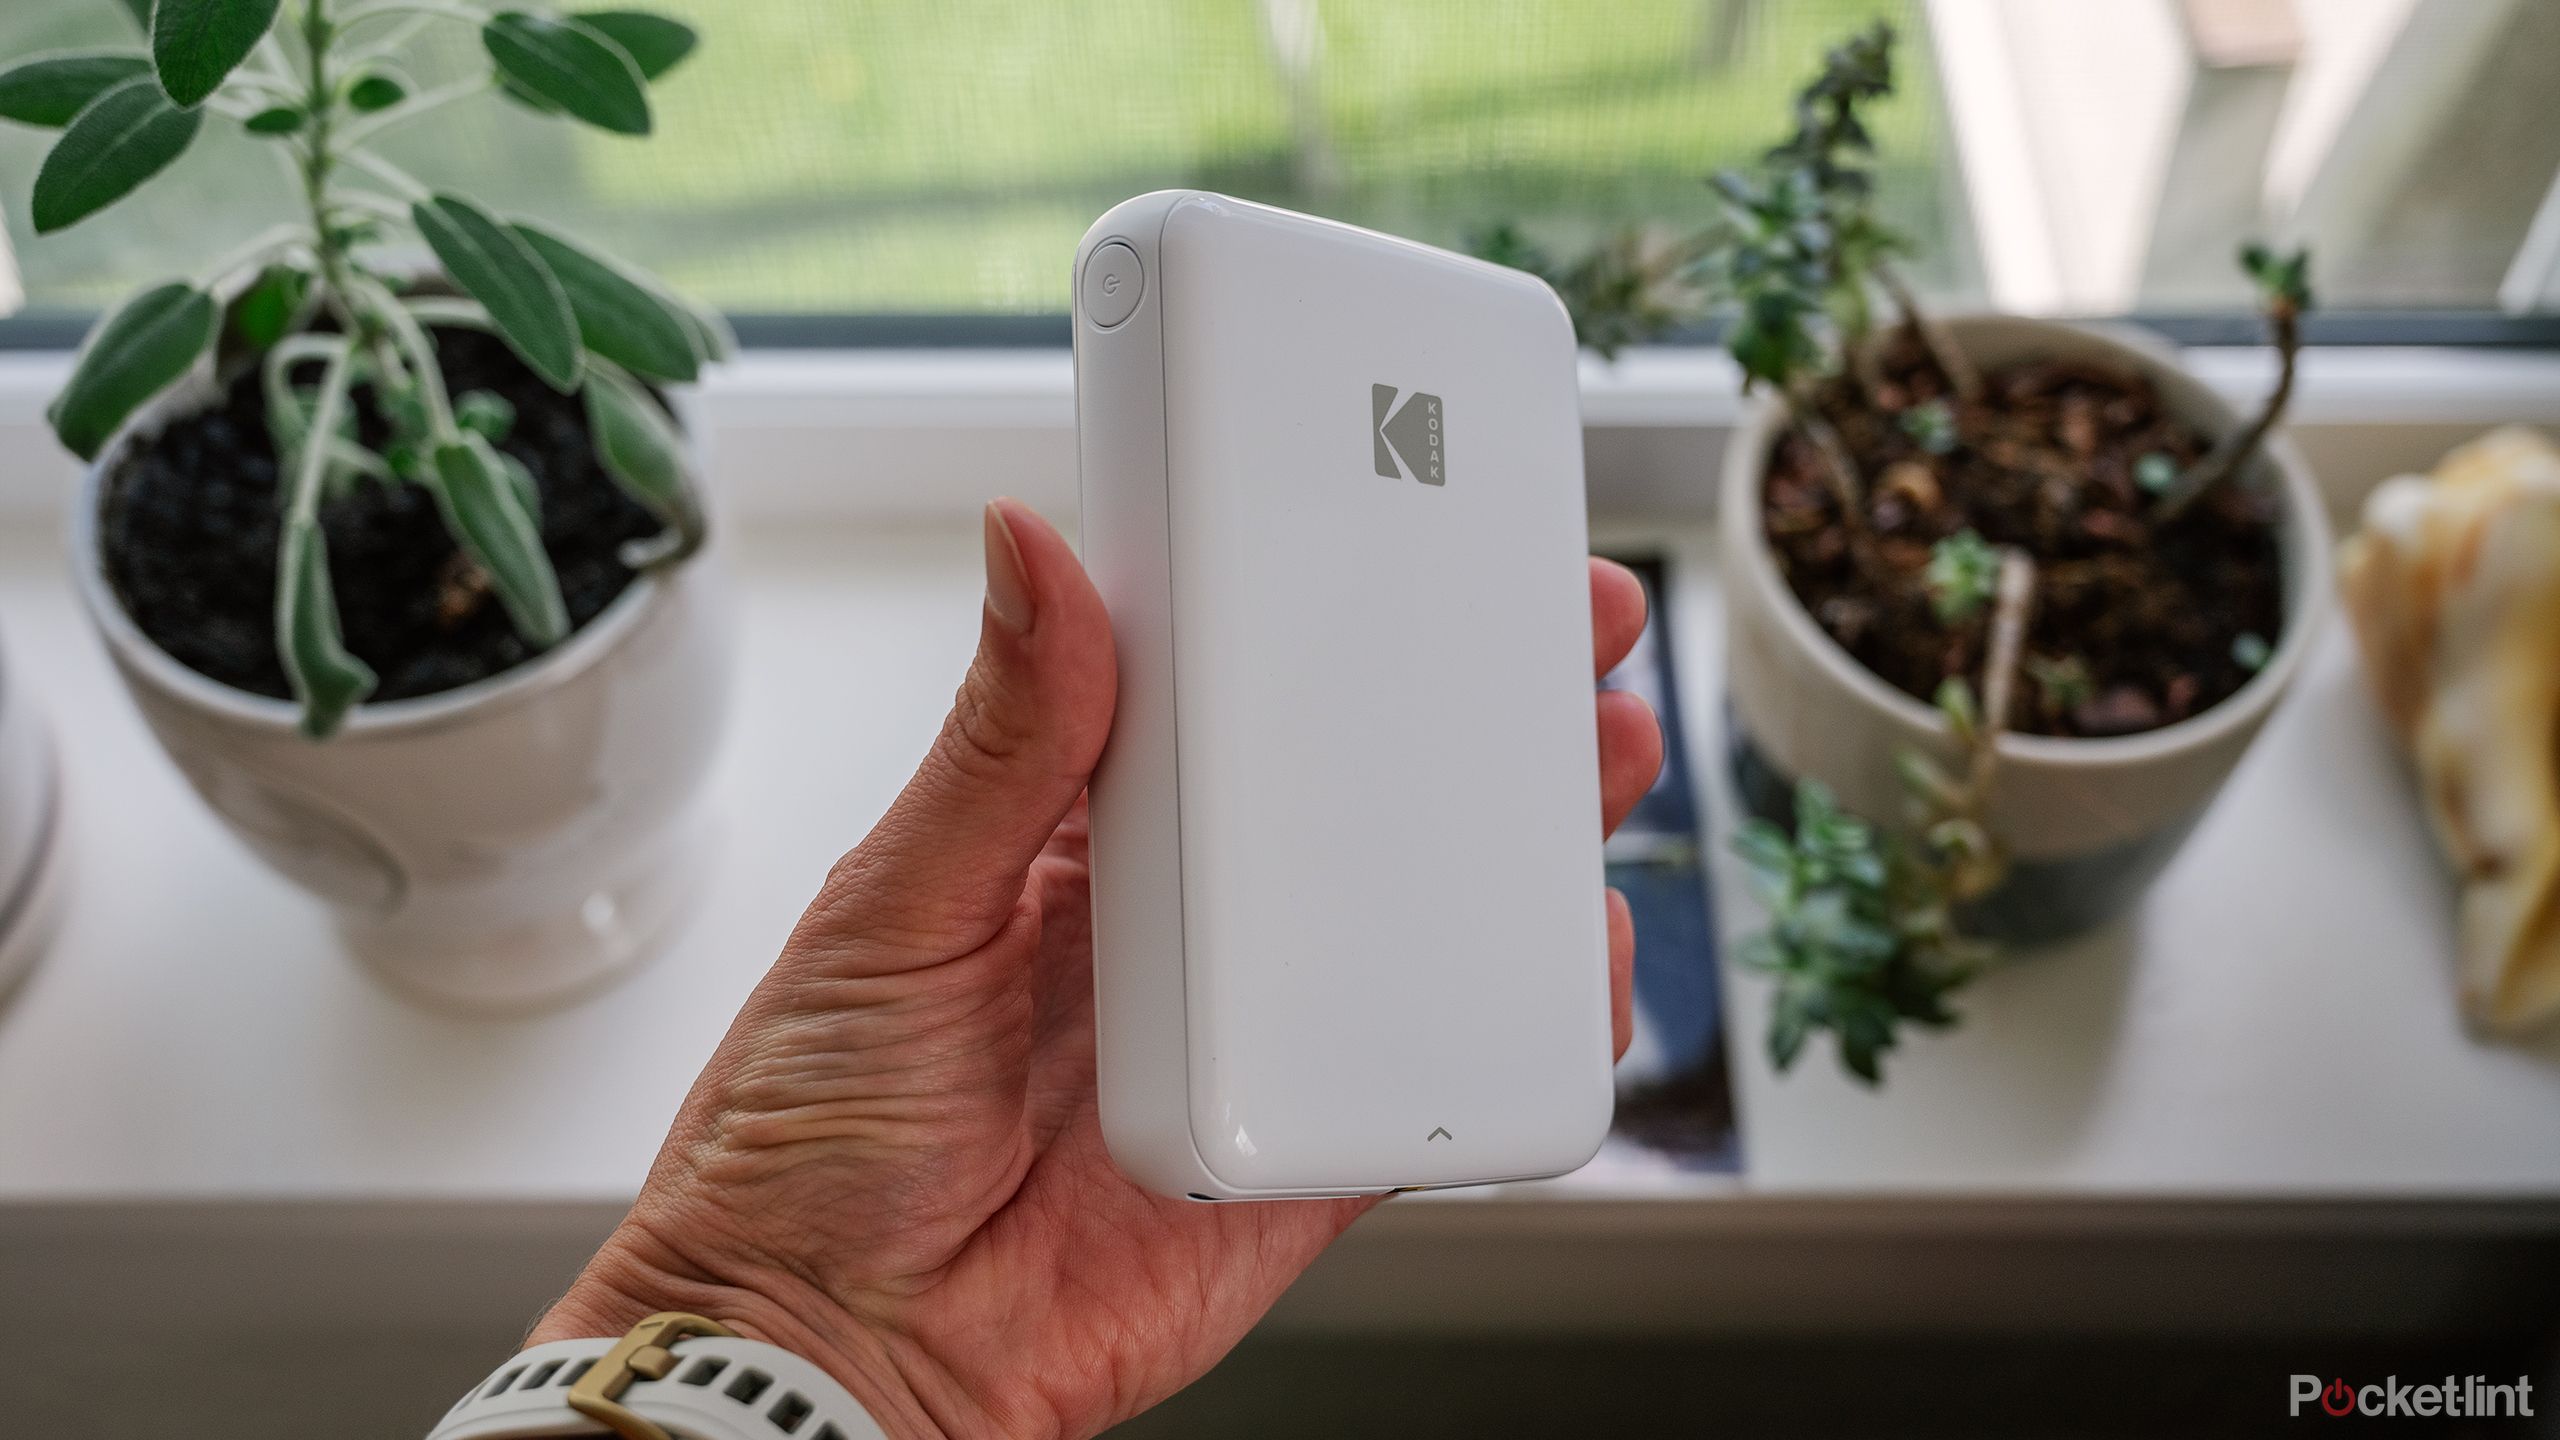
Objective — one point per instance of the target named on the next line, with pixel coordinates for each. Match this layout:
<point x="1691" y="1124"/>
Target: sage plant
<point x="322" y="309"/>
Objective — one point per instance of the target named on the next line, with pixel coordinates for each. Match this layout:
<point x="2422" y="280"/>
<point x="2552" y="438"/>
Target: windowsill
<point x="894" y="436"/>
<point x="197" y="1033"/>
<point x="197" y="1059"/>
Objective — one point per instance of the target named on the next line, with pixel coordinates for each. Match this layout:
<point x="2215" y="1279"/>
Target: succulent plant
<point x="1639" y="285"/>
<point x="1931" y="424"/>
<point x="1865" y="931"/>
<point x="315" y="304"/>
<point x="1963" y="571"/>
<point x="1860" y="940"/>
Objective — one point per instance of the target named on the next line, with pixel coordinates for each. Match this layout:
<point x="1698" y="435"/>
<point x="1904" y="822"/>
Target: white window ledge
<point x="909" y="435"/>
<point x="197" y="1083"/>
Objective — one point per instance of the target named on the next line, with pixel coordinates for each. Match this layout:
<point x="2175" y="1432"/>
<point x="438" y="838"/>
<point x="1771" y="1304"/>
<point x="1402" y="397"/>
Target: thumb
<point x="944" y="869"/>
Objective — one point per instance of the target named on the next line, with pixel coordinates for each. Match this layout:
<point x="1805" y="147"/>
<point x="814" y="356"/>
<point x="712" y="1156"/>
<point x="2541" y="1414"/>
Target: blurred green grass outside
<point x="818" y="156"/>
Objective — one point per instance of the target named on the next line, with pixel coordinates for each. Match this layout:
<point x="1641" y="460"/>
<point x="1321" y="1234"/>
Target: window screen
<point x="942" y="156"/>
<point x="906" y="156"/>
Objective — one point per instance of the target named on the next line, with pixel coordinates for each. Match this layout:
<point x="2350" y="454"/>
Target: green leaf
<point x="327" y="679"/>
<point x="655" y="43"/>
<point x="1963" y="575"/>
<point x="379" y="90"/>
<point x="2284" y="279"/>
<point x="140" y="10"/>
<point x="528" y="490"/>
<point x="496" y="267"/>
<point x="51" y="90"/>
<point x="1955" y="701"/>
<point x="1932" y="426"/>
<point x="645" y="456"/>
<point x="1788" y="1025"/>
<point x="485" y="413"/>
<point x="486" y="514"/>
<point x="412" y="434"/>
<point x="525" y="98"/>
<point x="140" y="350"/>
<point x="1859" y="1051"/>
<point x="275" y="120"/>
<point x="572" y="67"/>
<point x="123" y="138"/>
<point x="198" y="43"/>
<point x="619" y="318"/>
<point x="265" y="311"/>
<point x="1764" y="847"/>
<point x="2155" y="472"/>
<point x="1815" y="806"/>
<point x="713" y="341"/>
<point x="1761" y="952"/>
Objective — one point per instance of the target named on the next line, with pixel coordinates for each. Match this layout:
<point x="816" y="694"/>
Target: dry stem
<point x="1941" y="344"/>
<point x="1839" y="467"/>
<point x="2226" y="459"/>
<point x="2013" y="606"/>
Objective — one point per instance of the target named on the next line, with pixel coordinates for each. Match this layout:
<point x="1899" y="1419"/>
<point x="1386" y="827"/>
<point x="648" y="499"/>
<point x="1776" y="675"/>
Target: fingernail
<point x="1008" y="585"/>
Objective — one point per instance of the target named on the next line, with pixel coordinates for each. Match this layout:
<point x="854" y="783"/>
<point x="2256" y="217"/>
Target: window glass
<point x="819" y="156"/>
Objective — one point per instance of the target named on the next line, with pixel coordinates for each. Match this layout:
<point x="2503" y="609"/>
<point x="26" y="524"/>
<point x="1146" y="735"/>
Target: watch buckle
<point x="646" y="1353"/>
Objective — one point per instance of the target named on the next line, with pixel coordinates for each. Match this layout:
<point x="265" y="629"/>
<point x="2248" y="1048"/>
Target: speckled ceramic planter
<point x="499" y="847"/>
<point x="2089" y="822"/>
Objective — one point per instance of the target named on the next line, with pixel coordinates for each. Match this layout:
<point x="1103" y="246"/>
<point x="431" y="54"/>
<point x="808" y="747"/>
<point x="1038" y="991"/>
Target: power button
<point x="1113" y="281"/>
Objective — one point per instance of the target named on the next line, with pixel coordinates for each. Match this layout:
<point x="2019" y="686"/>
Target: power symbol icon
<point x="1113" y="283"/>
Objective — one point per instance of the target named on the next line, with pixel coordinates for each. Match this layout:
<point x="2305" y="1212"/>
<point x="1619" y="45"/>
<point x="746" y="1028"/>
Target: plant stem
<point x="1839" y="467"/>
<point x="1866" y="366"/>
<point x="430" y="9"/>
<point x="257" y="252"/>
<point x="450" y="313"/>
<point x="412" y="338"/>
<point x="1956" y="365"/>
<point x="392" y="41"/>
<point x="422" y="103"/>
<point x="311" y="467"/>
<point x="2226" y="459"/>
<point x="319" y="163"/>
<point x="2011" y="609"/>
<point x="320" y="160"/>
<point x="364" y="204"/>
<point x="388" y="173"/>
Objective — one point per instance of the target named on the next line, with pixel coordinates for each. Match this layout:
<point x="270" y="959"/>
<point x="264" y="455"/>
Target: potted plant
<point x="400" y="564"/>
<point x="2007" y="598"/>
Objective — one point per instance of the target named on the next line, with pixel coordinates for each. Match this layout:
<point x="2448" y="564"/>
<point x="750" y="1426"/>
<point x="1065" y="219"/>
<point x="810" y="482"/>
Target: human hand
<point x="893" y="1164"/>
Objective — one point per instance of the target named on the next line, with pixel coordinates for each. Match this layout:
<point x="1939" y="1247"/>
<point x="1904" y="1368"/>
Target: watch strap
<point x="674" y="1377"/>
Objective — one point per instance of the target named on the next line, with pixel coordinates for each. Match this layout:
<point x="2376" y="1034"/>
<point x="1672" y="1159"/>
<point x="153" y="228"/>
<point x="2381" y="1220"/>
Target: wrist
<point x="624" y="1285"/>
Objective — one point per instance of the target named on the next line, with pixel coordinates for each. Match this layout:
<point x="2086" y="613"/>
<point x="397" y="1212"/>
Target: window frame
<point x="52" y="329"/>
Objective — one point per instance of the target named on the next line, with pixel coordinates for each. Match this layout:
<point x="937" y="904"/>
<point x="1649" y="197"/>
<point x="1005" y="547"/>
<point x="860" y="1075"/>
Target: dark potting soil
<point x="2154" y="616"/>
<point x="189" y="531"/>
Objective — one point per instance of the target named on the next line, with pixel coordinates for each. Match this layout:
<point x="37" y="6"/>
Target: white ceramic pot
<point x="500" y="847"/>
<point x="31" y="852"/>
<point x="2089" y="822"/>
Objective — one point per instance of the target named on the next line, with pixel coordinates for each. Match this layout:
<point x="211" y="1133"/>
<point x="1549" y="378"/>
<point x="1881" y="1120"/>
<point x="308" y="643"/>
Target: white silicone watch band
<point x="720" y="1389"/>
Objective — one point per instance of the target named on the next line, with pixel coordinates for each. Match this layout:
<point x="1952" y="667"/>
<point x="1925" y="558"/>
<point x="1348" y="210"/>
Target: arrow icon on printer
<point x="1413" y="436"/>
<point x="1437" y="1134"/>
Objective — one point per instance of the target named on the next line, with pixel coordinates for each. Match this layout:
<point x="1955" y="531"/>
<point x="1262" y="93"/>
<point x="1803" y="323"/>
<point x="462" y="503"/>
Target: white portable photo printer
<point x="1349" y="933"/>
